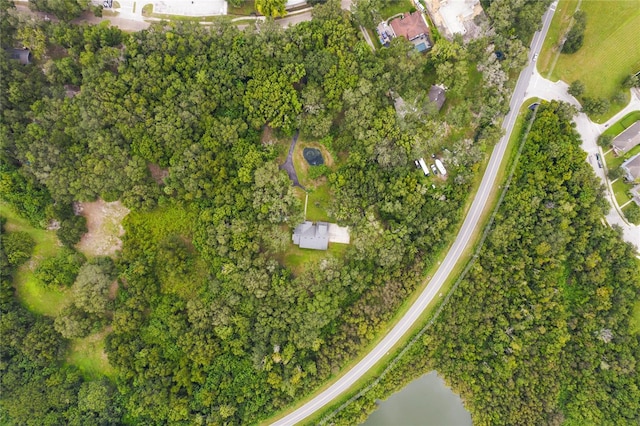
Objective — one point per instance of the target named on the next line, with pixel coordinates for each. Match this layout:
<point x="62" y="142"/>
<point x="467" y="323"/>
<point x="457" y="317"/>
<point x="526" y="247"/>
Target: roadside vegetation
<point x="602" y="56"/>
<point x="509" y="339"/>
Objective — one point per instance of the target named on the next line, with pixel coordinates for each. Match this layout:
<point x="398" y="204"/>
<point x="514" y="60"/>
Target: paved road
<point x="470" y="225"/>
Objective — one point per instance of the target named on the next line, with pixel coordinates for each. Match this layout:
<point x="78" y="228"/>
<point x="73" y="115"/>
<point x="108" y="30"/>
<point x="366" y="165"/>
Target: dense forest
<point x="210" y="324"/>
<point x="539" y="331"/>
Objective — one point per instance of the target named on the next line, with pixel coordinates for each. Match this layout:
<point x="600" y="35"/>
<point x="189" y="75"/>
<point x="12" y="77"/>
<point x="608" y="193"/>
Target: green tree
<point x="18" y="247"/>
<point x="594" y="106"/>
<point x="575" y="37"/>
<point x="605" y="140"/>
<point x="274" y="8"/>
<point x="576" y="88"/>
<point x="60" y="270"/>
<point x="91" y="288"/>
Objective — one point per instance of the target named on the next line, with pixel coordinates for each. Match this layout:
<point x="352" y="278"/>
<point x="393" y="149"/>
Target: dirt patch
<point x="104" y="227"/>
<point x="113" y="290"/>
<point x="158" y="173"/>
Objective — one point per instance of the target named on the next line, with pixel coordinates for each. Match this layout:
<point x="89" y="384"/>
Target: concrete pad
<point x="190" y="7"/>
<point x="338" y="234"/>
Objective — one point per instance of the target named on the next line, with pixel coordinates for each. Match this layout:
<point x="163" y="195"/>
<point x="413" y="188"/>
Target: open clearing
<point x="31" y="293"/>
<point x="610" y="52"/>
<point x="89" y="356"/>
<point x="104" y="227"/>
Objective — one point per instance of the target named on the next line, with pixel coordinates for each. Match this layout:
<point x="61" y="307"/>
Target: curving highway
<point x="470" y="225"/>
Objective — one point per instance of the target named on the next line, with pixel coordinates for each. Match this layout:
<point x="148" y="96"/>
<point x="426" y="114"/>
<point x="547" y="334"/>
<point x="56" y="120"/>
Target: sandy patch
<point x="104" y="227"/>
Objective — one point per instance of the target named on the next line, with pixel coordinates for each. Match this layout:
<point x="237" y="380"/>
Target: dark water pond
<point x="313" y="156"/>
<point x="425" y="401"/>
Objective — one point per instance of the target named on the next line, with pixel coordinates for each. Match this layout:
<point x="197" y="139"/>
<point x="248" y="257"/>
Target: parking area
<point x="190" y="7"/>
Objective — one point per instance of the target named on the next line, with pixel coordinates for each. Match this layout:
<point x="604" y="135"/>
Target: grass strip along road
<point x="463" y="239"/>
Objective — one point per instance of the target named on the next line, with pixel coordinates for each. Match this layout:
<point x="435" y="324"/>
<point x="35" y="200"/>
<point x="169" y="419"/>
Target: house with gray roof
<point x="631" y="168"/>
<point x="627" y="140"/>
<point x="22" y="55"/>
<point x="437" y="96"/>
<point x="311" y="235"/>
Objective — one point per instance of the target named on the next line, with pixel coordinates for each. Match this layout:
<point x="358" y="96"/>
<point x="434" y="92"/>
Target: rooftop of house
<point x="632" y="167"/>
<point x="627" y="139"/>
<point x="22" y="55"/>
<point x="312" y="235"/>
<point x="437" y="96"/>
<point x="410" y="26"/>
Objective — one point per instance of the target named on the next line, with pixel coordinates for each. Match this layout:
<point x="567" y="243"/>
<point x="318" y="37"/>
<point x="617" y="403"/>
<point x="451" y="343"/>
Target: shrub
<point x="18" y="247"/>
<point x="576" y="88"/>
<point x="605" y="140"/>
<point x="632" y="213"/>
<point x="60" y="270"/>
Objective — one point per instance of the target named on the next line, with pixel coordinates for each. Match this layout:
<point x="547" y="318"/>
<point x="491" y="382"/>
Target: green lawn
<point x="610" y="52"/>
<point x="296" y="258"/>
<point x="626" y="121"/>
<point x="31" y="293"/>
<point x="614" y="162"/>
<point x="89" y="356"/>
<point x="319" y="200"/>
<point x="620" y="191"/>
<point x="393" y="7"/>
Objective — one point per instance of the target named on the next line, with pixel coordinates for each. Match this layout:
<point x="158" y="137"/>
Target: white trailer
<point x="440" y="166"/>
<point x="424" y="167"/>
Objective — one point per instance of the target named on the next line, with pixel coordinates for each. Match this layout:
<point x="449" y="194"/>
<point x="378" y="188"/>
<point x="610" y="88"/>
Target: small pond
<point x="425" y="401"/>
<point x="313" y="156"/>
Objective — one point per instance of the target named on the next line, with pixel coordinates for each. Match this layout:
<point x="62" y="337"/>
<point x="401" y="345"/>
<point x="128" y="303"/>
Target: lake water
<point x="426" y="401"/>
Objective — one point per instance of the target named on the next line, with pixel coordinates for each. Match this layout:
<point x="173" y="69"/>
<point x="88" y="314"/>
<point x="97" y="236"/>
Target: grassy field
<point x="89" y="356"/>
<point x="614" y="162"/>
<point x="31" y="293"/>
<point x="297" y="259"/>
<point x="87" y="353"/>
<point x="393" y="7"/>
<point x="620" y="191"/>
<point x="610" y="52"/>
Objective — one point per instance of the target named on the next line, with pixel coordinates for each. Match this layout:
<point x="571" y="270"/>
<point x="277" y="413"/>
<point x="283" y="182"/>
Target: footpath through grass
<point x="611" y="49"/>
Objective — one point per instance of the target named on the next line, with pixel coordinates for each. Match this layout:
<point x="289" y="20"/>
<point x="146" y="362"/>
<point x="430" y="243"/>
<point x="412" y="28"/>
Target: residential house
<point x="414" y="28"/>
<point x="631" y="168"/>
<point x="312" y="235"/>
<point x="437" y="96"/>
<point x="627" y="140"/>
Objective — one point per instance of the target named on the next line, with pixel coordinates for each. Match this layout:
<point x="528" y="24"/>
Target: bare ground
<point x="158" y="173"/>
<point x="104" y="227"/>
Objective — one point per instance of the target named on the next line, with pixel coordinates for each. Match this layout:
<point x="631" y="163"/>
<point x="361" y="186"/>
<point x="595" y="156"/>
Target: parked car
<point x="599" y="160"/>
<point x="434" y="170"/>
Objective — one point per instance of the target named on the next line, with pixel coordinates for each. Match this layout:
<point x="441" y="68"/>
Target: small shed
<point x="437" y="96"/>
<point x="22" y="55"/>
